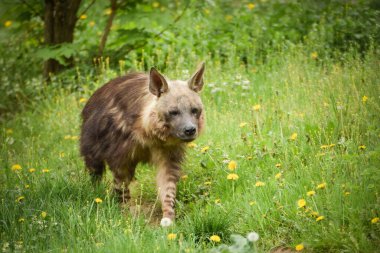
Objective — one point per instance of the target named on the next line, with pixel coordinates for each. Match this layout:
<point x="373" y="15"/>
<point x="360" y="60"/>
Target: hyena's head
<point x="178" y="106"/>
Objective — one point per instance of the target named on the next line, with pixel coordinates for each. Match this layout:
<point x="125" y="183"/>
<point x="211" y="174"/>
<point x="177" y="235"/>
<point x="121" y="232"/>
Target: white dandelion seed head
<point x="253" y="236"/>
<point x="165" y="222"/>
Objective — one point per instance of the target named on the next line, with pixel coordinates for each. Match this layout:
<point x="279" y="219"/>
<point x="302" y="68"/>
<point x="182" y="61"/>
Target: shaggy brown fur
<point x="142" y="118"/>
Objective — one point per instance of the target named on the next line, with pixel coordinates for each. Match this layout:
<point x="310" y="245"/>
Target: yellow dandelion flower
<point x="251" y="203"/>
<point x="192" y="145"/>
<point x="293" y="137"/>
<point x="108" y="11"/>
<point x="331" y="145"/>
<point x="243" y="124"/>
<point x="249" y="157"/>
<point x="217" y="201"/>
<point x="278" y="165"/>
<point x="321" y="185"/>
<point x="310" y="193"/>
<point x="32" y="170"/>
<point x="324" y="146"/>
<point x="207" y="183"/>
<point x="320" y="218"/>
<point x="314" y="214"/>
<point x="362" y="147"/>
<point x="232" y="177"/>
<point x="172" y="236"/>
<point x="314" y="55"/>
<point x="299" y="247"/>
<point x="256" y="107"/>
<point x="27" y="186"/>
<point x="7" y="23"/>
<point x="98" y="200"/>
<point x="16" y="167"/>
<point x="278" y="175"/>
<point x="84" y="16"/>
<point x="20" y="199"/>
<point x="301" y="203"/>
<point x="259" y="184"/>
<point x="91" y="24"/>
<point x="82" y="100"/>
<point x="375" y="220"/>
<point x="205" y="149"/>
<point x="228" y="18"/>
<point x="43" y="214"/>
<point x="347" y="193"/>
<point x="61" y="154"/>
<point x="9" y="131"/>
<point x="251" y="6"/>
<point x="21" y="220"/>
<point x="364" y="99"/>
<point x="45" y="171"/>
<point x="156" y="4"/>
<point x="184" y="177"/>
<point x="215" y="238"/>
<point x="67" y="137"/>
<point x="75" y="137"/>
<point x="232" y="165"/>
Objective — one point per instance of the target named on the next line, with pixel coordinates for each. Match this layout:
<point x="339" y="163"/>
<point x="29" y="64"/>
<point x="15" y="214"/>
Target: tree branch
<point x="107" y="29"/>
<point x="86" y="9"/>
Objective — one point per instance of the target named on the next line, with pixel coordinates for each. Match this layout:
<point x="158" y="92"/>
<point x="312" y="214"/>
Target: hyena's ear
<point x="157" y="83"/>
<point x="196" y="81"/>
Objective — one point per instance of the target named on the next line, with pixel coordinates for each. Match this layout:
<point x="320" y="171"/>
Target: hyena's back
<point x="111" y="118"/>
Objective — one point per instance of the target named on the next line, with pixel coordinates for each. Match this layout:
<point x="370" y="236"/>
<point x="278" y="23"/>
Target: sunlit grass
<point x="303" y="136"/>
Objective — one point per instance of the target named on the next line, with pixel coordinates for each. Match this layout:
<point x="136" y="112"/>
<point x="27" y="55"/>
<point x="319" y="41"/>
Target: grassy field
<point x="299" y="134"/>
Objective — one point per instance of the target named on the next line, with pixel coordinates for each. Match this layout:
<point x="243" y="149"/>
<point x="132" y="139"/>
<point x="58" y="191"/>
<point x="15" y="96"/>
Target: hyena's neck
<point x="153" y="126"/>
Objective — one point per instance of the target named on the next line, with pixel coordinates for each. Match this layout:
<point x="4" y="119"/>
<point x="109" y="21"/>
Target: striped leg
<point x="167" y="178"/>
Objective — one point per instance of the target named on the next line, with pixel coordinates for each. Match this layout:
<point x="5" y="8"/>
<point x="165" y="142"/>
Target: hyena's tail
<point x="95" y="168"/>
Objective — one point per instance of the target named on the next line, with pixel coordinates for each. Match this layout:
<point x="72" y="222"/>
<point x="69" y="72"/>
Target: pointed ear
<point x="157" y="83"/>
<point x="196" y="81"/>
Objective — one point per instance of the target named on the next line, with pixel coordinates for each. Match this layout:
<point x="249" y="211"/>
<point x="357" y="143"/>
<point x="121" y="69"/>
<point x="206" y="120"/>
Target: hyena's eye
<point x="194" y="110"/>
<point x="174" y="113"/>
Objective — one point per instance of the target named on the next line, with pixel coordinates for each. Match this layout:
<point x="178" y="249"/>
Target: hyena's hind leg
<point x="122" y="177"/>
<point x="95" y="168"/>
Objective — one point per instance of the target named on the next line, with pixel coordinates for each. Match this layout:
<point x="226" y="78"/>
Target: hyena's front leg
<point x="122" y="177"/>
<point x="167" y="178"/>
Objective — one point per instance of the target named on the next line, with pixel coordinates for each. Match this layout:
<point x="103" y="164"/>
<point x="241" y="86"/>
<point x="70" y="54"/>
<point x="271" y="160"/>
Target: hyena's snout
<point x="190" y="131"/>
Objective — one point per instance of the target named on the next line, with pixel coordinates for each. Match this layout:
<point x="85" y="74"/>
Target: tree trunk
<point x="60" y="19"/>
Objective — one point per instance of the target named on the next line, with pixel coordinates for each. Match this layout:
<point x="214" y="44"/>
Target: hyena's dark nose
<point x="190" y="131"/>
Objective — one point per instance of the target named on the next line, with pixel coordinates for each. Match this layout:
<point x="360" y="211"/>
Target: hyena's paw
<point x="166" y="222"/>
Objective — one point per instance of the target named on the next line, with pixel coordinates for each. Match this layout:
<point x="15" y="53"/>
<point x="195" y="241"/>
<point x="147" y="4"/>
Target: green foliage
<point x="150" y="31"/>
<point x="211" y="221"/>
<point x="290" y="95"/>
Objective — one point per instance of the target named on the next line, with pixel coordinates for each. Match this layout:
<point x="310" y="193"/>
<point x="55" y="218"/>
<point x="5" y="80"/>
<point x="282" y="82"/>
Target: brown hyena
<point x="142" y="118"/>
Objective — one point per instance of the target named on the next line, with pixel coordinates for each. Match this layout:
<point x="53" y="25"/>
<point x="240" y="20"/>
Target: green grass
<point x="319" y="100"/>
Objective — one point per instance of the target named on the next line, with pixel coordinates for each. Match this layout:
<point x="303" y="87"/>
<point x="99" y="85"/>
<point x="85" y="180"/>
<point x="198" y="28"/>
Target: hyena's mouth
<point x="187" y="138"/>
